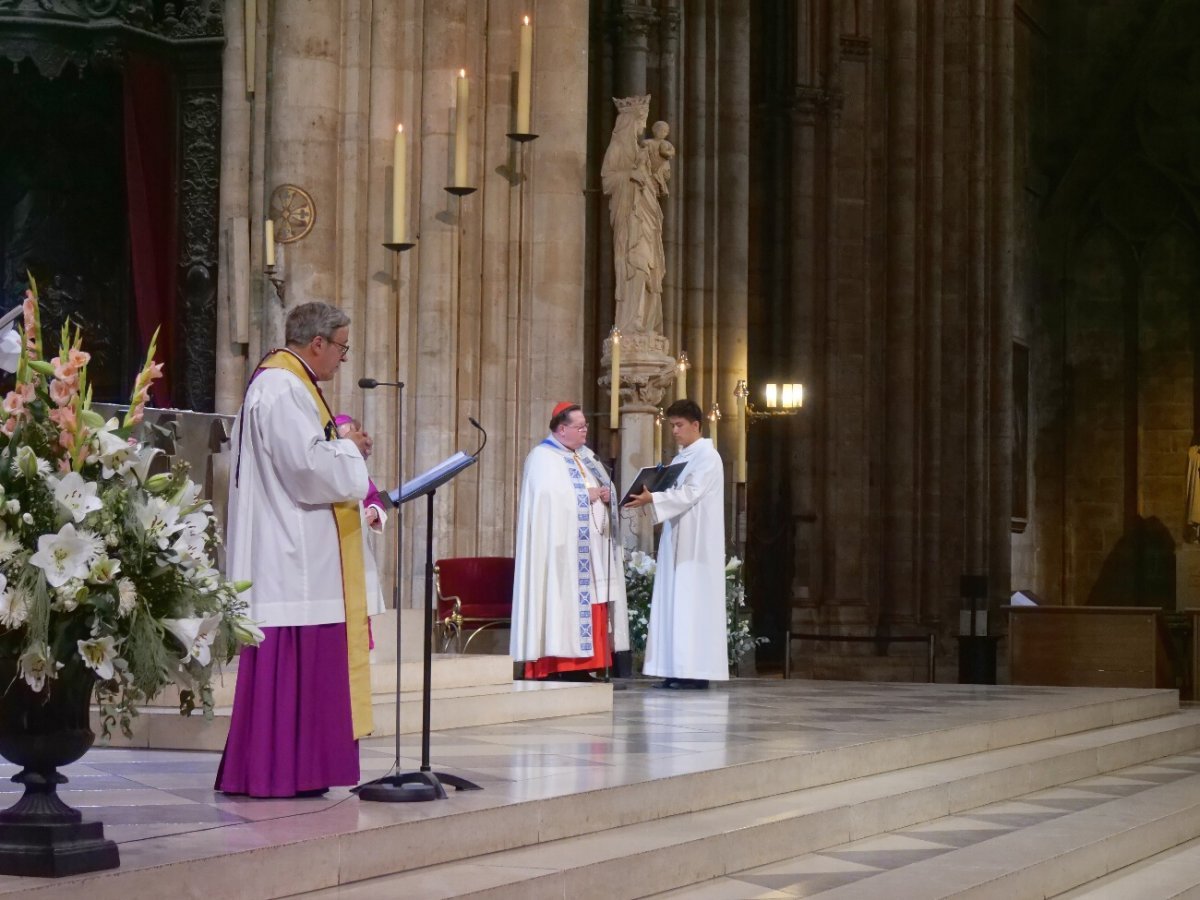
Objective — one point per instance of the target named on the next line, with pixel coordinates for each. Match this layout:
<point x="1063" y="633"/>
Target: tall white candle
<point x="614" y="409"/>
<point x="740" y="468"/>
<point x="714" y="417"/>
<point x="251" y="26"/>
<point x="399" y="191"/>
<point x="681" y="377"/>
<point x="460" y="131"/>
<point x="658" y="439"/>
<point x="269" y="241"/>
<point x="524" y="77"/>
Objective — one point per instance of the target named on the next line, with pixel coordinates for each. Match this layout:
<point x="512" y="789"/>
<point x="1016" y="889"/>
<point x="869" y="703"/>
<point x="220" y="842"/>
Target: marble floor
<point x="159" y="806"/>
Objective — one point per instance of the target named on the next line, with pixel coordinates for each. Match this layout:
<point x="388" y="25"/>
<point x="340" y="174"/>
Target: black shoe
<point x="313" y="792"/>
<point x="689" y="684"/>
<point x="671" y="683"/>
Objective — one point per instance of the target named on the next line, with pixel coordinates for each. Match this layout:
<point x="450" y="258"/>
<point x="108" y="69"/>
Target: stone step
<point x="640" y="859"/>
<point x="461" y="706"/>
<point x="448" y="670"/>
<point x="349" y="843"/>
<point x="1171" y="875"/>
<point x="1037" y="845"/>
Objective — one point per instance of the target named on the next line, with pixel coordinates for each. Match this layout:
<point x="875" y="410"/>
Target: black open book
<point x="654" y="478"/>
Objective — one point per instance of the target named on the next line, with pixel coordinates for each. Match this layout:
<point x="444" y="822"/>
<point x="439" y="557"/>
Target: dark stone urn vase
<point x="40" y="835"/>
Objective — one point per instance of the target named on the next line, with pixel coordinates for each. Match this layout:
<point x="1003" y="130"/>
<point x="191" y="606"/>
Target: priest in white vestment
<point x="295" y="529"/>
<point x="569" y="572"/>
<point x="687" y="640"/>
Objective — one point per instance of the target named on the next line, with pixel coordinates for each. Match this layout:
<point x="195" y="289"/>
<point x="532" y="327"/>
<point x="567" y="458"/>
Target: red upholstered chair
<point x="473" y="593"/>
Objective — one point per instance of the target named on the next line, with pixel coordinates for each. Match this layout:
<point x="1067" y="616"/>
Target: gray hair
<point x="308" y="320"/>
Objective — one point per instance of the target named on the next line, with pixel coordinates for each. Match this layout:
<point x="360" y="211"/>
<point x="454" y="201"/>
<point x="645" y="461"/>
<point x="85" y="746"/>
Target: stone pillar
<point x="899" y="430"/>
<point x="670" y="109"/>
<point x="730" y="301"/>
<point x="697" y="165"/>
<point x="1001" y="308"/>
<point x="633" y="23"/>
<point x="236" y="124"/>
<point x="304" y="80"/>
<point x="931" y="581"/>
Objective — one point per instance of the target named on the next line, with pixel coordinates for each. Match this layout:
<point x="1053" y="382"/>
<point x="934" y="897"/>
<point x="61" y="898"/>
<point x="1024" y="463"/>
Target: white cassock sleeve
<point x="315" y="470"/>
<point x="698" y="481"/>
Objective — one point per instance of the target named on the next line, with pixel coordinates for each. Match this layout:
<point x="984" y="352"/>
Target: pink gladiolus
<point x="61" y="392"/>
<point x="64" y="465"/>
<point x="78" y="358"/>
<point x="64" y="418"/>
<point x="64" y="370"/>
<point x="154" y="370"/>
<point x="14" y="403"/>
<point x="67" y="440"/>
<point x="9" y="426"/>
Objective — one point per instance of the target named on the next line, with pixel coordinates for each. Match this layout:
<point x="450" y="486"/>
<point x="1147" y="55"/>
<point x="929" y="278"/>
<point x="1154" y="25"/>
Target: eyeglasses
<point x="345" y="348"/>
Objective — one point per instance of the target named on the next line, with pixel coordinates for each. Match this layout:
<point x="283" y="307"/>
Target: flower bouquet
<point x="639" y="588"/>
<point x="105" y="569"/>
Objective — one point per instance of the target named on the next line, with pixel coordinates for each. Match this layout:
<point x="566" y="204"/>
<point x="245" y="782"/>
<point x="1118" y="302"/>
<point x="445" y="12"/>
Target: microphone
<point x="481" y="430"/>
<point x="369" y="383"/>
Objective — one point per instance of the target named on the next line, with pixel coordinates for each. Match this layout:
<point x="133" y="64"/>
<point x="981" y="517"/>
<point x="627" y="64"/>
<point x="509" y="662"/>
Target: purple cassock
<point x="291" y="731"/>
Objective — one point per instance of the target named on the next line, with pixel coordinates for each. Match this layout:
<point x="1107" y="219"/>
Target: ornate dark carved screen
<point x="74" y="186"/>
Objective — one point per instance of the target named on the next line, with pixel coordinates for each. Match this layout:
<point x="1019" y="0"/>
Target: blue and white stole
<point x="583" y="542"/>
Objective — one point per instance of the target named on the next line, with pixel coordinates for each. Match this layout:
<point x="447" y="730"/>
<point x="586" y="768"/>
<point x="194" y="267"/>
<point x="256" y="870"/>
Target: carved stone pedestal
<point x="647" y="370"/>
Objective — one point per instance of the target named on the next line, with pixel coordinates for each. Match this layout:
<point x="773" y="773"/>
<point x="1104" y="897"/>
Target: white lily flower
<point x="159" y="519"/>
<point x="75" y="494"/>
<point x="191" y="551"/>
<point x="733" y="565"/>
<point x="195" y="523"/>
<point x="36" y="666"/>
<point x="10" y="350"/>
<point x="126" y="597"/>
<point x="104" y="570"/>
<point x="98" y="655"/>
<point x="196" y="635"/>
<point x="143" y="459"/>
<point x="247" y="632"/>
<point x="13" y="506"/>
<point x="117" y="456"/>
<point x="63" y="556"/>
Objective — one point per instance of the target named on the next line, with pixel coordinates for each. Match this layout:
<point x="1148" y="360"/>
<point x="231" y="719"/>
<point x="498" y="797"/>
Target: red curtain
<point x="150" y="191"/>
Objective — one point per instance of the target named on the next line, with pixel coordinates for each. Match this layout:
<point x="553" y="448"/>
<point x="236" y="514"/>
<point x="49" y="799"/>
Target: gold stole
<point x="348" y="517"/>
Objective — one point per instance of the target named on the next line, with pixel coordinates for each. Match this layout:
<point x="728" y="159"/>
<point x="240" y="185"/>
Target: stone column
<point x="1001" y="313"/>
<point x="633" y="22"/>
<point x="931" y="580"/>
<point x="729" y="358"/>
<point x="697" y="165"/>
<point x="899" y="430"/>
<point x="236" y="123"/>
<point x="304" y="99"/>
<point x="670" y="109"/>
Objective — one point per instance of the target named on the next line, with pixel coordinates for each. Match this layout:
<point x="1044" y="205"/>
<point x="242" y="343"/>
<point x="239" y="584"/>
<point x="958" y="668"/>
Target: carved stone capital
<point x="634" y="22"/>
<point x="647" y="371"/>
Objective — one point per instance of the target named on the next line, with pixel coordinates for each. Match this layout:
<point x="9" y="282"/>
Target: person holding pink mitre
<point x="296" y="530"/>
<point x="568" y="567"/>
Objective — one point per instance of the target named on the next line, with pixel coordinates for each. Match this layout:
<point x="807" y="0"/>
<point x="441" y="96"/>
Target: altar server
<point x="295" y="529"/>
<point x="686" y="642"/>
<point x="568" y="562"/>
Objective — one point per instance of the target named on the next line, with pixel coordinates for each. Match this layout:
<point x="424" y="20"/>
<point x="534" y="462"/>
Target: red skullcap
<point x="562" y="407"/>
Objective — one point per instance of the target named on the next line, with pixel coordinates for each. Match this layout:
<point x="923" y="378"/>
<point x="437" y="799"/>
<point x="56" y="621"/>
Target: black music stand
<point x="425" y="784"/>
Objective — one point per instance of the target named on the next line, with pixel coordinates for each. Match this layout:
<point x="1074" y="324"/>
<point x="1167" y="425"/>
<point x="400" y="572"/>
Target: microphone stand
<point x="371" y="384"/>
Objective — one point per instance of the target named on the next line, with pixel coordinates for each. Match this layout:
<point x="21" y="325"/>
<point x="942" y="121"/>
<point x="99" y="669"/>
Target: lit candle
<point x="269" y="241"/>
<point x="524" y="77"/>
<point x="460" y="132"/>
<point x="399" y="194"/>
<point x="786" y="399"/>
<point x="740" y="467"/>
<point x="714" y="416"/>
<point x="771" y="391"/>
<point x="658" y="428"/>
<point x="614" y="409"/>
<point x="681" y="368"/>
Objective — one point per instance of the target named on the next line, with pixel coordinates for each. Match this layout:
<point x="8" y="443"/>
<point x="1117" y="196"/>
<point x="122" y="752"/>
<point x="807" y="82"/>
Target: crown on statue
<point x="634" y="103"/>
